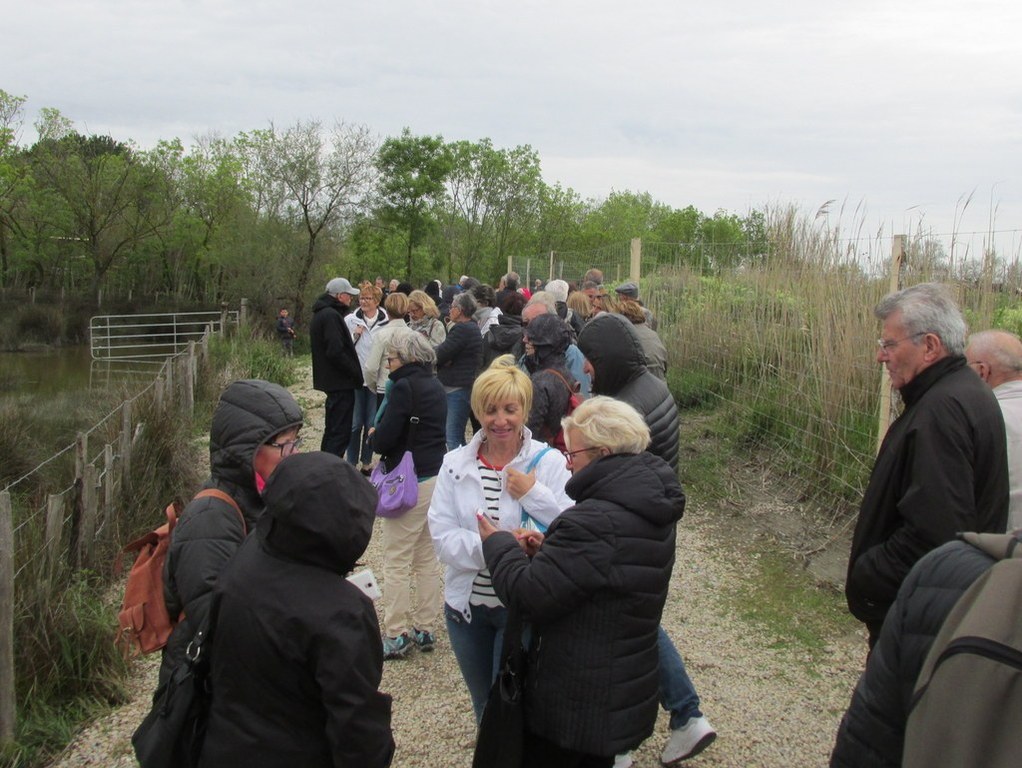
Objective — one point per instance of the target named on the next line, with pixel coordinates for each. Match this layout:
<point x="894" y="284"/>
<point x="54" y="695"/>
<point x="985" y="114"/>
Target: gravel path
<point x="769" y="706"/>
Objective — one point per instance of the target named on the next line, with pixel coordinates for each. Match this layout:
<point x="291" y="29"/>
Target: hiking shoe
<point x="423" y="640"/>
<point x="396" y="647"/>
<point x="688" y="741"/>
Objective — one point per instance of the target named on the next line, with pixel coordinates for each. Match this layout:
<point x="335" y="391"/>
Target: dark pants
<point x="541" y="753"/>
<point x="340" y="408"/>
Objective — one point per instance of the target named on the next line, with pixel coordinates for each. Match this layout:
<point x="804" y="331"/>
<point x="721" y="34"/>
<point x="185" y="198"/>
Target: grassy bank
<point x="67" y="667"/>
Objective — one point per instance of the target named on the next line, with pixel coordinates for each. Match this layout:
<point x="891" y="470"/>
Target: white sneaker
<point x="688" y="741"/>
<point x="623" y="761"/>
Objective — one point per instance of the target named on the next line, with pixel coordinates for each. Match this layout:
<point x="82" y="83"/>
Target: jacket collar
<point x="915" y="389"/>
<point x="466" y="455"/>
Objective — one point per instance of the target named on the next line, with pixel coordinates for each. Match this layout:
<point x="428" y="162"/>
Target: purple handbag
<point x="398" y="489"/>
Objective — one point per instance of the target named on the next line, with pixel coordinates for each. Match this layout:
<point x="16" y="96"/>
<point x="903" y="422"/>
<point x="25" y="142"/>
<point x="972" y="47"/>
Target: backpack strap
<point x="560" y="375"/>
<point x="216" y="493"/>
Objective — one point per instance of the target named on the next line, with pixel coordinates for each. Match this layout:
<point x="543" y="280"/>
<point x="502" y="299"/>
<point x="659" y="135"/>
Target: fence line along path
<point x="771" y="707"/>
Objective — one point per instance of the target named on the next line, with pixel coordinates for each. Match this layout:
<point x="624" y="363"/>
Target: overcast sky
<point x="898" y="110"/>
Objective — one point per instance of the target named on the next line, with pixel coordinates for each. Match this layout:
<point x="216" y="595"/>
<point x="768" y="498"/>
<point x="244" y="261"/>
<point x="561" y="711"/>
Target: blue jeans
<point x="361" y="422"/>
<point x="677" y="694"/>
<point x="477" y="647"/>
<point x="458" y="409"/>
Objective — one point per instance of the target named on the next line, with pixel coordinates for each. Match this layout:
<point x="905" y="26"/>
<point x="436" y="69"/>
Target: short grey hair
<point x="410" y="346"/>
<point x="1002" y="350"/>
<point x="546" y="299"/>
<point x="927" y="308"/>
<point x="465" y="303"/>
<point x="558" y="289"/>
<point x="608" y="423"/>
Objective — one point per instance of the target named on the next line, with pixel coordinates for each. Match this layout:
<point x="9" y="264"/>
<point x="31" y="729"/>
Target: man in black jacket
<point x="335" y="366"/>
<point x="942" y="467"/>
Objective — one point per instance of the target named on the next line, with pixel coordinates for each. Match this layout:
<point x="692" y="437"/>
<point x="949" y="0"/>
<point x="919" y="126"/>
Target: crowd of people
<point x="545" y="447"/>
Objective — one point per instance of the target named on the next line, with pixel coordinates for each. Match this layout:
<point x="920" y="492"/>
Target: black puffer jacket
<point x="430" y="404"/>
<point x="872" y="732"/>
<point x="594" y="594"/>
<point x="335" y="364"/>
<point x="504" y="338"/>
<point x="552" y="383"/>
<point x="611" y="345"/>
<point x="942" y="469"/>
<point x="296" y="658"/>
<point x="457" y="358"/>
<point x="208" y="533"/>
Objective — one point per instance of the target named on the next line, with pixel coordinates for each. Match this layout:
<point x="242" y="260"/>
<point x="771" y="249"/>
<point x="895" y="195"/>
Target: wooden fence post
<point x="108" y="480"/>
<point x="125" y="448"/>
<point x="54" y="524"/>
<point x="243" y="314"/>
<point x="635" y="265"/>
<point x="87" y="533"/>
<point x="77" y="510"/>
<point x="884" y="421"/>
<point x="551" y="275"/>
<point x="190" y="380"/>
<point x="7" y="711"/>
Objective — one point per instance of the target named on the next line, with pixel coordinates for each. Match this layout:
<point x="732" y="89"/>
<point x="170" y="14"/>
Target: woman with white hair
<point x="593" y="590"/>
<point x="414" y="419"/>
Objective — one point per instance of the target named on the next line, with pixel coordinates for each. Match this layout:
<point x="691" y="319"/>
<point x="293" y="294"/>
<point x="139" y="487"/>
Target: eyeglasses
<point x="570" y="455"/>
<point x="288" y="447"/>
<point x="886" y="345"/>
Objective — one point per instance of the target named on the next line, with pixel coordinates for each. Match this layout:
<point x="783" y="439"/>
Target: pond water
<point x="45" y="373"/>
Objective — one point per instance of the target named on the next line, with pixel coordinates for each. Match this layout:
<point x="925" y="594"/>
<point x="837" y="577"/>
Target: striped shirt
<point x="482" y="587"/>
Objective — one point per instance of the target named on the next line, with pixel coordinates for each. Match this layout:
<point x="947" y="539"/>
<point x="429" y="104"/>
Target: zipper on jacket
<point x="979" y="646"/>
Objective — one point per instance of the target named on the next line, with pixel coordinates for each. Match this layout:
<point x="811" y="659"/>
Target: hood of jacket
<point x="614" y="350"/>
<point x="249" y="413"/>
<point x="505" y="334"/>
<point x="326" y="301"/>
<point x="319" y="511"/>
<point x="642" y="483"/>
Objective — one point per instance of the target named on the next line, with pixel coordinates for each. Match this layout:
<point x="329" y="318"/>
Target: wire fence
<point x="782" y="342"/>
<point x="44" y="534"/>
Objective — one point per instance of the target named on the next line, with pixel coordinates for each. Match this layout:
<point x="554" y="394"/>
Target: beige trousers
<point x="408" y="557"/>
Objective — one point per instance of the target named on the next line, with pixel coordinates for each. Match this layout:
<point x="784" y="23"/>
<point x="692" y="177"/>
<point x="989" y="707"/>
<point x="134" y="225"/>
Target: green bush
<point x="37" y="323"/>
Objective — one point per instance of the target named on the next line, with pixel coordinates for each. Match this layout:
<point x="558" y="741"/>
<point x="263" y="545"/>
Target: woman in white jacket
<point x="507" y="475"/>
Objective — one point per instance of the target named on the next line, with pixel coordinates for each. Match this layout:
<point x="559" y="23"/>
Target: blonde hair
<point x="501" y="382"/>
<point x="605" y="422"/>
<point x="371" y="290"/>
<point x="396" y="304"/>
<point x="425" y="301"/>
<point x="579" y="303"/>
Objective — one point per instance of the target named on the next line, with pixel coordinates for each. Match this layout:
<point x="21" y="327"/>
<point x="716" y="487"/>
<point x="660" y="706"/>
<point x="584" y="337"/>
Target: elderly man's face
<point x="393" y="285"/>
<point x="903" y="355"/>
<point x="531" y="312"/>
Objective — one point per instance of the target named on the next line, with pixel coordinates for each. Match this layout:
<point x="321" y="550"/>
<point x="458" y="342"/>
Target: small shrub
<point x="37" y="323"/>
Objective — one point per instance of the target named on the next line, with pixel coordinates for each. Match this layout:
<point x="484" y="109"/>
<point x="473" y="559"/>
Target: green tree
<point x="111" y="196"/>
<point x="12" y="174"/>
<point x="412" y="174"/>
<point x="314" y="180"/>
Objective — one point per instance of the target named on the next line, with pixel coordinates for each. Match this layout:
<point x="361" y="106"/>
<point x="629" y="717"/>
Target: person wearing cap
<point x="631" y="291"/>
<point x="335" y="366"/>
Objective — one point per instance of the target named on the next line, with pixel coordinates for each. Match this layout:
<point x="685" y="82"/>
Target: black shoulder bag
<point x="171" y="735"/>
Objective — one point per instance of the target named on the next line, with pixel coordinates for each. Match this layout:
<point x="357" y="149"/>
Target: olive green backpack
<point x="967" y="703"/>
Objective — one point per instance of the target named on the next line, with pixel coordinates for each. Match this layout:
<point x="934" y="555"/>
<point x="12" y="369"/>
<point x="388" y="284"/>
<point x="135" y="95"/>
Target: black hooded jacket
<point x="594" y="594"/>
<point x="503" y="338"/>
<point x="552" y="383"/>
<point x="335" y="363"/>
<point x="612" y="347"/>
<point x="297" y="660"/>
<point x="209" y="531"/>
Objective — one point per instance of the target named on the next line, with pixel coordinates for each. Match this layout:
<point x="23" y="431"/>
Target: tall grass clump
<point x="784" y="343"/>
<point x="243" y="357"/>
<point x="67" y="667"/>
